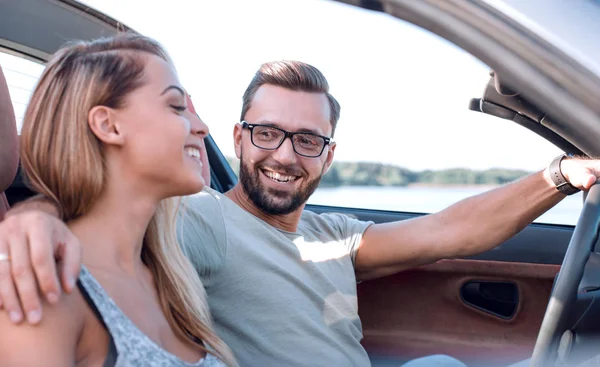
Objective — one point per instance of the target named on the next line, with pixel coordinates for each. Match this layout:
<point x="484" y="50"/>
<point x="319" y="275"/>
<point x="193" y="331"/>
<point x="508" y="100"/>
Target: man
<point x="281" y="281"/>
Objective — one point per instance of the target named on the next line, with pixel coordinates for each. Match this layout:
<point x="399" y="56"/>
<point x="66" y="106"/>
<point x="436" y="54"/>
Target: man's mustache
<point x="290" y="170"/>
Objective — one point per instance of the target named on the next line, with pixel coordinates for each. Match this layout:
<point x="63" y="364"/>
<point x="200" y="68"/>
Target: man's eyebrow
<point x="173" y="87"/>
<point x="268" y="123"/>
<point x="301" y="130"/>
<point x="315" y="132"/>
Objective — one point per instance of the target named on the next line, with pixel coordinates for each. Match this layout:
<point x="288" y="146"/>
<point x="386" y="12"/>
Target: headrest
<point x="9" y="151"/>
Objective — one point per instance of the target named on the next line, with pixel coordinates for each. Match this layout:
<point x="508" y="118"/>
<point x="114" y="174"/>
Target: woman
<point x="106" y="135"/>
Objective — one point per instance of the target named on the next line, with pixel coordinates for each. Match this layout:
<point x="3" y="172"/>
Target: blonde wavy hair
<point x="63" y="160"/>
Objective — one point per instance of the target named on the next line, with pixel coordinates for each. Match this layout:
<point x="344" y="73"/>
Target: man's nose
<point x="285" y="154"/>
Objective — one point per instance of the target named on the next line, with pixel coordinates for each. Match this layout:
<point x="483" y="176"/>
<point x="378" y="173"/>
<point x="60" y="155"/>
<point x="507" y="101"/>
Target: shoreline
<point x="454" y="186"/>
<point x="420" y="186"/>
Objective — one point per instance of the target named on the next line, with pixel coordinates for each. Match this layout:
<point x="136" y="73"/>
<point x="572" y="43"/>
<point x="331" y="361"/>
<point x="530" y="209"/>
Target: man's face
<point x="281" y="181"/>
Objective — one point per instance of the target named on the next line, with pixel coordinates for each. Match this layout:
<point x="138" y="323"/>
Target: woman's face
<point x="163" y="145"/>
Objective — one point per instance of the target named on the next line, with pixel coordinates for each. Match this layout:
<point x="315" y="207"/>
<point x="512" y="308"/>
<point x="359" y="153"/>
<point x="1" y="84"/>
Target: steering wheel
<point x="566" y="287"/>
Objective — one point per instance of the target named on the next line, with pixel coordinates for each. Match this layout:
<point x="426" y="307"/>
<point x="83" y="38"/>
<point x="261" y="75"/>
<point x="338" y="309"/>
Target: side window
<point x="408" y="141"/>
<point x="21" y="76"/>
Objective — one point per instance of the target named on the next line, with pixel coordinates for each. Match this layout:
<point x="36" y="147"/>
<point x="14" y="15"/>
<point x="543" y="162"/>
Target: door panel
<point x="421" y="312"/>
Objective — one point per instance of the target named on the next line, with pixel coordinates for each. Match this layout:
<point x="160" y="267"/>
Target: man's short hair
<point x="292" y="75"/>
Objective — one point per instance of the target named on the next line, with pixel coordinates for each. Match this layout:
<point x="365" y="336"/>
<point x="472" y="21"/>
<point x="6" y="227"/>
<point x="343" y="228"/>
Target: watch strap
<point x="559" y="179"/>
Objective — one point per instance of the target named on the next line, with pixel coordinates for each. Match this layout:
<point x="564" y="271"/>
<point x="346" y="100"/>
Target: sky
<point x="404" y="92"/>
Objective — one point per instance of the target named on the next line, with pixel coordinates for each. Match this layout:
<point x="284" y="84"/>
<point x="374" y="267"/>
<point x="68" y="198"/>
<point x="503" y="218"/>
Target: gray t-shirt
<point x="278" y="298"/>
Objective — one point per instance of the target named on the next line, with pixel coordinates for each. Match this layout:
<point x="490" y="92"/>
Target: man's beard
<point x="271" y="201"/>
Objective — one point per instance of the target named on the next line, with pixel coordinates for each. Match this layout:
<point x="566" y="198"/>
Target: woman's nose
<point x="197" y="125"/>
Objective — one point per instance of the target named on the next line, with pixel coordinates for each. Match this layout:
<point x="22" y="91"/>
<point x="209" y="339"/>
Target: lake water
<point x="428" y="200"/>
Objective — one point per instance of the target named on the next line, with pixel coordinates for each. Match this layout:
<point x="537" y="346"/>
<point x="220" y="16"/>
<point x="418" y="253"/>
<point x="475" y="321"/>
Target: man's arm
<point x="36" y="203"/>
<point x="469" y="227"/>
<point x="36" y="241"/>
<point x="9" y="151"/>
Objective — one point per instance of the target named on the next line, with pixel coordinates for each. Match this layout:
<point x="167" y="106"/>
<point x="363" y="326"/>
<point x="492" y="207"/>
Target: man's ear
<point x="237" y="140"/>
<point x="103" y="124"/>
<point x="329" y="160"/>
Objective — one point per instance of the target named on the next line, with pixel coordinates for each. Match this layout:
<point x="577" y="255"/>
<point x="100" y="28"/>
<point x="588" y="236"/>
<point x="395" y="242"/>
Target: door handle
<point x="499" y="299"/>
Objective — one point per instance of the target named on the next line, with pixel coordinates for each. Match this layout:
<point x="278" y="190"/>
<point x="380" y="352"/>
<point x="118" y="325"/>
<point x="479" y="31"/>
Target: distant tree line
<point x="377" y="174"/>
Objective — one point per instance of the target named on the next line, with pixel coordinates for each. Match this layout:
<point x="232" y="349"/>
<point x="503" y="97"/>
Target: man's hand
<point x="580" y="172"/>
<point x="35" y="243"/>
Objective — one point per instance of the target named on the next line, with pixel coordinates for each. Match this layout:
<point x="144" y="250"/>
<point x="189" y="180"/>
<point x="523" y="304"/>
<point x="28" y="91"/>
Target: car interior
<point x="535" y="293"/>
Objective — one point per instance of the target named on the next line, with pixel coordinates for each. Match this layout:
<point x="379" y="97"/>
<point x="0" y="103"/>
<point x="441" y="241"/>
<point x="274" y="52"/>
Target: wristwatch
<point x="559" y="180"/>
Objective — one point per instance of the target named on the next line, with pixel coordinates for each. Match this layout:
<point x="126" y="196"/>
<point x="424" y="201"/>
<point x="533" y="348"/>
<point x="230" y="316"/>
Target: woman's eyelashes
<point x="179" y="108"/>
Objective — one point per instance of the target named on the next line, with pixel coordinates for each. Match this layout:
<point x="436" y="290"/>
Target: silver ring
<point x="4" y="257"/>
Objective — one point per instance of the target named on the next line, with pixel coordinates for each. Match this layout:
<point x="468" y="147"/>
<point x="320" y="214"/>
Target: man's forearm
<point x="37" y="202"/>
<point x="469" y="227"/>
<point x="479" y="223"/>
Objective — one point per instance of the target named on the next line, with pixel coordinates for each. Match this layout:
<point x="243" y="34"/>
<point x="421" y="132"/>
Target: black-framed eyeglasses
<point x="270" y="138"/>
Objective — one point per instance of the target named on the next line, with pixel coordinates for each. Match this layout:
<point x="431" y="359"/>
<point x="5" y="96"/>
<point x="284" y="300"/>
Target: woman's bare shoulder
<point x="52" y="342"/>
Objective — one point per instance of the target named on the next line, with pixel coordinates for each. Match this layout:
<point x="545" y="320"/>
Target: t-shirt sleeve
<point x="201" y="234"/>
<point x="349" y="231"/>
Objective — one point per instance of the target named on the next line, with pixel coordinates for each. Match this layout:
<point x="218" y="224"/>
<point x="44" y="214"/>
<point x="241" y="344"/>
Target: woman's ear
<point x="103" y="124"/>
